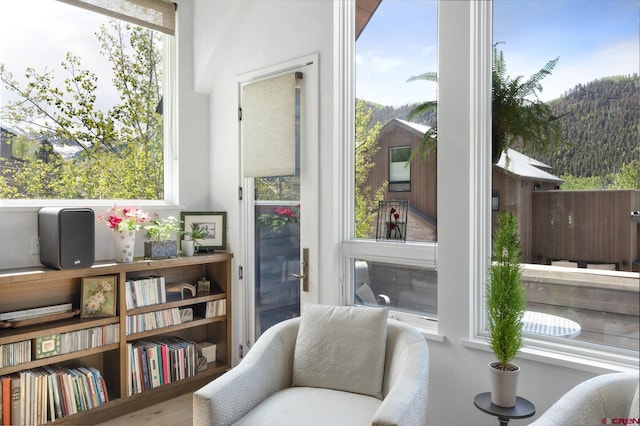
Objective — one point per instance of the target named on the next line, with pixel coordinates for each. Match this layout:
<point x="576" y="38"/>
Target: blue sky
<point x="593" y="38"/>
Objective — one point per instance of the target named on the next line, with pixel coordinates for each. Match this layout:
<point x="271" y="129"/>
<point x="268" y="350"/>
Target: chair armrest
<point x="265" y="370"/>
<point x="406" y="378"/>
<point x="605" y="396"/>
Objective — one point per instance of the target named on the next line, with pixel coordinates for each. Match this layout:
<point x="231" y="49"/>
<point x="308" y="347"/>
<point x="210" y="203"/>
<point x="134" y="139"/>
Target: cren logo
<point x="620" y="421"/>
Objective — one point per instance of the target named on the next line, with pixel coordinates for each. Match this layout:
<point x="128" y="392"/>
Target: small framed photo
<point x="208" y="229"/>
<point x="98" y="296"/>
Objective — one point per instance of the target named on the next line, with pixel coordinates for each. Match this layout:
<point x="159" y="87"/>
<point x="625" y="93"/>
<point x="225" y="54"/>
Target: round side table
<point x="523" y="408"/>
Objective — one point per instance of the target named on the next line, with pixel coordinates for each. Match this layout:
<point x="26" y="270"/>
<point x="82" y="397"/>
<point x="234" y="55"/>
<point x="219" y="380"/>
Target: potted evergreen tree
<point x="505" y="302"/>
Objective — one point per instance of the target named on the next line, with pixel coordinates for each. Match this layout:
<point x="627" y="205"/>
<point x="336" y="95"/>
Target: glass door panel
<point x="277" y="250"/>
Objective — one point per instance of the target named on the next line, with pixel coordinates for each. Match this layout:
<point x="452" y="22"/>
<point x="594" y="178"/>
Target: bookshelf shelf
<point x="166" y="330"/>
<point x="38" y="287"/>
<point x="176" y="304"/>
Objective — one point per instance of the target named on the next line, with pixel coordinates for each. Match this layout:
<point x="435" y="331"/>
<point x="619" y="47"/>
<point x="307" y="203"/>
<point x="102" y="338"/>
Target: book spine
<point x="34" y="312"/>
<point x="6" y="400"/>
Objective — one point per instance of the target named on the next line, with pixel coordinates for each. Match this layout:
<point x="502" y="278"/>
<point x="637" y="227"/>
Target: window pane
<point x="399" y="169"/>
<point x="396" y="62"/>
<point x="408" y="289"/>
<point x="82" y="112"/>
<point x="573" y="200"/>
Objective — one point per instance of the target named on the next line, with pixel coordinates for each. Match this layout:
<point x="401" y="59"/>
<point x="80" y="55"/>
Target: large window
<point x="579" y="242"/>
<point x="396" y="58"/>
<point x="85" y="101"/>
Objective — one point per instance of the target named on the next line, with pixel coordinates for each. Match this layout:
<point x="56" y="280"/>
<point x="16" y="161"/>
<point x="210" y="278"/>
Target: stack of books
<point x="152" y="320"/>
<point x="216" y="308"/>
<point x="28" y="314"/>
<point x="145" y="291"/>
<point x="15" y="353"/>
<point x="44" y="394"/>
<point x="153" y="363"/>
<point x="89" y="338"/>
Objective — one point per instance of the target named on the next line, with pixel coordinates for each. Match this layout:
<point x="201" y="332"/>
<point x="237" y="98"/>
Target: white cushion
<point x="634" y="411"/>
<point x="312" y="407"/>
<point x="342" y="348"/>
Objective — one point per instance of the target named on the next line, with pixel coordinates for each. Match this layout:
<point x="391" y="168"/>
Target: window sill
<point x="589" y="360"/>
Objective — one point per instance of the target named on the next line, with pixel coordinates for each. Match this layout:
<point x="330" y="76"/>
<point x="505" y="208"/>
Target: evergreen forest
<point x="600" y="128"/>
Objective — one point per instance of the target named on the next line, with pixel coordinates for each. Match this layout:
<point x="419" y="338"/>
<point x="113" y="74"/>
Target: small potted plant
<point x="159" y="231"/>
<point x="505" y="308"/>
<point x="191" y="242"/>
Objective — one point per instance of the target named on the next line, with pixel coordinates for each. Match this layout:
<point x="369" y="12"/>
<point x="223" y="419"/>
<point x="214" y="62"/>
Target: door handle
<point x="304" y="277"/>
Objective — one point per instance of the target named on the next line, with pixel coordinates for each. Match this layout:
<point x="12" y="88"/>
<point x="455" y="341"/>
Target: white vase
<point x="504" y="385"/>
<point x="124" y="244"/>
<point x="188" y="247"/>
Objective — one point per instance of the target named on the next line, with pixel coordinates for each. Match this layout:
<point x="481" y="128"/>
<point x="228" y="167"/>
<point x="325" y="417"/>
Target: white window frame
<point x="419" y="255"/>
<point x="569" y="353"/>
<point x="475" y="255"/>
<point x="170" y="128"/>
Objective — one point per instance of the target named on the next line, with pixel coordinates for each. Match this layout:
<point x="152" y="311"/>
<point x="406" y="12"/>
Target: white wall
<point x="233" y="38"/>
<point x="257" y="35"/>
<point x="18" y="225"/>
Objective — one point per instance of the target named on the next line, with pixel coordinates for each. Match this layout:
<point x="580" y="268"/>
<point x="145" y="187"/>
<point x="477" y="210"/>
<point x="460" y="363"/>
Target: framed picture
<point x="98" y="296"/>
<point x="212" y="227"/>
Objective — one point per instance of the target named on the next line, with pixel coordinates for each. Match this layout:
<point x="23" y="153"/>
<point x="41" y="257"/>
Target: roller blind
<point x="271" y="125"/>
<point x="155" y="14"/>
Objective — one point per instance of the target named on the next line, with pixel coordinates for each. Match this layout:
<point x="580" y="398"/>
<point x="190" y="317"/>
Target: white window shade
<point x="155" y="14"/>
<point x="270" y="117"/>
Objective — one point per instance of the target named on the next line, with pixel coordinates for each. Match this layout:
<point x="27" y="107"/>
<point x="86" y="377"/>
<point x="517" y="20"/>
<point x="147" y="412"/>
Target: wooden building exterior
<point x="590" y="229"/>
<point x="514" y="180"/>
<point x="420" y="188"/>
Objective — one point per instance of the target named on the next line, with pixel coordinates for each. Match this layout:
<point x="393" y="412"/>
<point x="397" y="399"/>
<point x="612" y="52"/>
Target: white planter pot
<point x="188" y="247"/>
<point x="504" y="385"/>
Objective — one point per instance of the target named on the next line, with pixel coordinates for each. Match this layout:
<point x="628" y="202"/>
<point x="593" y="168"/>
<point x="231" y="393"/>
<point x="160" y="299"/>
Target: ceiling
<point x="364" y="11"/>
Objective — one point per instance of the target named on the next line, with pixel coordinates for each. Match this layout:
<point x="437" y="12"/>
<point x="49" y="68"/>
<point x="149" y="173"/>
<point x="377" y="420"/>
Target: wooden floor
<point x="175" y="412"/>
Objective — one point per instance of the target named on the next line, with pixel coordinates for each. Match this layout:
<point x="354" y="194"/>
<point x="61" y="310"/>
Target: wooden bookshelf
<point x="28" y="288"/>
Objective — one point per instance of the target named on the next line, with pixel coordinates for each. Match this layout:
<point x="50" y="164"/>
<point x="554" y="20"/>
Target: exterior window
<point x="580" y="246"/>
<point x="399" y="169"/>
<point x="395" y="42"/>
<point x="85" y="109"/>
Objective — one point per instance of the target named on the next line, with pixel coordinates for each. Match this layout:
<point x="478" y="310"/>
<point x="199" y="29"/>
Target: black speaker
<point x="67" y="237"/>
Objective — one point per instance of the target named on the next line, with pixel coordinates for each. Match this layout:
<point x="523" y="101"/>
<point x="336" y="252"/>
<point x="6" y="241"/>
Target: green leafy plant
<point x="279" y="217"/>
<point x="518" y="115"/>
<point x="505" y="297"/>
<point x="197" y="233"/>
<point x="161" y="229"/>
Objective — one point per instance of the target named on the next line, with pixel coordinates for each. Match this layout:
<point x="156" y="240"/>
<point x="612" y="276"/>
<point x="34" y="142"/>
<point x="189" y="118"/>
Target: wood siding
<point x="587" y="227"/>
<point x="423" y="194"/>
<point x="516" y="197"/>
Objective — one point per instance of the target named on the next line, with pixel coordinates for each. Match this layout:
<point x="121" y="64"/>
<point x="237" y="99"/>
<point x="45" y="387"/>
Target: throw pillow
<point x="341" y="348"/>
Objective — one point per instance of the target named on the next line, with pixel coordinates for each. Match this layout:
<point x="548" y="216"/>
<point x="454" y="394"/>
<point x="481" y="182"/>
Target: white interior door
<point x="280" y="214"/>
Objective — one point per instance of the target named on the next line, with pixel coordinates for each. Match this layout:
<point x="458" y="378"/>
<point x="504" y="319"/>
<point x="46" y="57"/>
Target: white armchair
<point x="605" y="397"/>
<point x="285" y="377"/>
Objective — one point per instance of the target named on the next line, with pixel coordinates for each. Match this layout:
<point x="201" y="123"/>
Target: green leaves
<point x="119" y="151"/>
<point x="504" y="294"/>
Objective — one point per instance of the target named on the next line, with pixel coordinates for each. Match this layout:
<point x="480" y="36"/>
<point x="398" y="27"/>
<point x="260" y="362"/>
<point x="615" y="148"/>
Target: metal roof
<point x="525" y="166"/>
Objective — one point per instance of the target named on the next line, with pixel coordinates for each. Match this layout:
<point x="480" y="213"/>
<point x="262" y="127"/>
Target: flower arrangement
<point x="161" y="229"/>
<point x="395" y="230"/>
<point x="279" y="217"/>
<point x="124" y="219"/>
